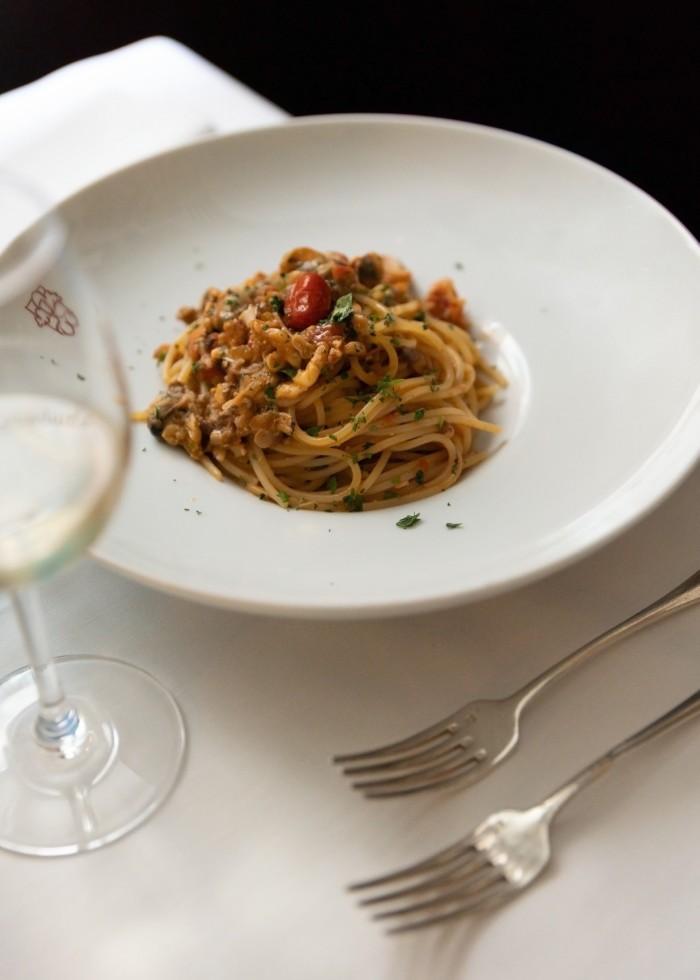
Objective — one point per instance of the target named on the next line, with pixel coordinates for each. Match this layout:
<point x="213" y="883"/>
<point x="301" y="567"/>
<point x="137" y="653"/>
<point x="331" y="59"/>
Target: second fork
<point x="467" y="744"/>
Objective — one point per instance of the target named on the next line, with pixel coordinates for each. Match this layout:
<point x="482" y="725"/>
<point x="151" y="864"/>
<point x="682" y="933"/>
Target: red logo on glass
<point x="49" y="310"/>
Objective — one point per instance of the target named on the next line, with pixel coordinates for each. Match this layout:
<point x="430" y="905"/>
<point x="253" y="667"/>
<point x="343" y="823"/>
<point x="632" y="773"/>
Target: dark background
<point x="616" y="83"/>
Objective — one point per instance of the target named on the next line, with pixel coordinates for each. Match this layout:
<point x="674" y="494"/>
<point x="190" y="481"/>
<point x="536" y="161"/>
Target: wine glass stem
<point x="56" y="719"/>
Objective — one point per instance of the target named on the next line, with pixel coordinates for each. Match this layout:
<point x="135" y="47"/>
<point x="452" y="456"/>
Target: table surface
<point x="242" y="873"/>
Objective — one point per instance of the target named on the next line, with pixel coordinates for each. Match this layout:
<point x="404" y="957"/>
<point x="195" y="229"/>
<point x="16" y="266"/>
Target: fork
<point x="467" y="744"/>
<point x="502" y="855"/>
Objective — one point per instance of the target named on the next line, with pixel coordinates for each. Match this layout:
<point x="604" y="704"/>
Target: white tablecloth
<point x="242" y="874"/>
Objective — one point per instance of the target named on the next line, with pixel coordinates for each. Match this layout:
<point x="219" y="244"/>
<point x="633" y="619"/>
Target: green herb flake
<point x="276" y="304"/>
<point x="452" y="525"/>
<point x="354" y="501"/>
<point x="269" y="392"/>
<point x="418" y="414"/>
<point x="313" y="430"/>
<point x="342" y="309"/>
<point x="332" y="484"/>
<point x="385" y="388"/>
<point x="284" y="496"/>
<point x="410" y="520"/>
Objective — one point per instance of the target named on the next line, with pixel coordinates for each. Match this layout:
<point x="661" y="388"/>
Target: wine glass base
<point x="125" y="762"/>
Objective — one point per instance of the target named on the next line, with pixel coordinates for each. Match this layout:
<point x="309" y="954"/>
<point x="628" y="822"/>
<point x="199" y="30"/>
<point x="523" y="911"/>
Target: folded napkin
<point x="95" y="116"/>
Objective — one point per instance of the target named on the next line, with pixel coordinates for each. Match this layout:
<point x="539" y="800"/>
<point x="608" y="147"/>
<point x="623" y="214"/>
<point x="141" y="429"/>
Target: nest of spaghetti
<point x="329" y="384"/>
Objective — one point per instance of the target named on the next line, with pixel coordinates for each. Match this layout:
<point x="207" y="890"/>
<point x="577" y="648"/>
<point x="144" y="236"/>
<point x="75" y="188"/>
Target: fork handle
<point x="685" y="594"/>
<point x="681" y="713"/>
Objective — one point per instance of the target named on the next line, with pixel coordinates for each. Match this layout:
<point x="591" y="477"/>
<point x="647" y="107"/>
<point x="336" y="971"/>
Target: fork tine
<point x="455" y="881"/>
<point x="469" y="769"/>
<point x="437" y="863"/>
<point x="475" y="887"/>
<point x="440" y="729"/>
<point x="465" y="870"/>
<point x="489" y="899"/>
<point x="439" y="748"/>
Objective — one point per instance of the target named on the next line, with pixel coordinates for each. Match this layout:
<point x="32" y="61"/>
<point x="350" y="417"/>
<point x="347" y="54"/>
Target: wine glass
<point x="89" y="746"/>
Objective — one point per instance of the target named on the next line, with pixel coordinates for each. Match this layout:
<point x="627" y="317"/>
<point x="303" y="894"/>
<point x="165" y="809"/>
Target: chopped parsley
<point x="385" y="388"/>
<point x="410" y="520"/>
<point x="342" y="309"/>
<point x="452" y="525"/>
<point x="354" y="500"/>
<point x="276" y="304"/>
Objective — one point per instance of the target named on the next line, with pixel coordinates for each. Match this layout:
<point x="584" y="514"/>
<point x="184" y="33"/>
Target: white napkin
<point x="95" y="116"/>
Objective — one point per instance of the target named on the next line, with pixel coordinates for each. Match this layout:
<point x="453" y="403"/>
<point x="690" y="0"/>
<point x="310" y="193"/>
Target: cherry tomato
<point x="308" y="301"/>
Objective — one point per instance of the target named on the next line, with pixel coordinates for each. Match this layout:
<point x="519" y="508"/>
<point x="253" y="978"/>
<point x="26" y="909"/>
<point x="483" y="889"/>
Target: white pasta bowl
<point x="584" y="290"/>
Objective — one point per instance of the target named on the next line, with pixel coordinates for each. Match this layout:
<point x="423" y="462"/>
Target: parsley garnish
<point x="418" y="414"/>
<point x="385" y="388"/>
<point x="332" y="484"/>
<point x="408" y="521"/>
<point x="313" y="430"/>
<point x="354" y="500"/>
<point x="342" y="309"/>
<point x="453" y="526"/>
<point x="276" y="304"/>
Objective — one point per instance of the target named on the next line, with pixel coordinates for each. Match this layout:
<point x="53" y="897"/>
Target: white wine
<point x="89" y="746"/>
<point x="61" y="466"/>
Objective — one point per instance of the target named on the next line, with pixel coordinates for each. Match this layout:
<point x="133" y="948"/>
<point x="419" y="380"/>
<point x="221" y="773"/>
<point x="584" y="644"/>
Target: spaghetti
<point x="329" y="384"/>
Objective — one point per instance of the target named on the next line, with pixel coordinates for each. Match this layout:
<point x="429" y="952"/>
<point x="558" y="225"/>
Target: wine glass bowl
<point x="81" y="768"/>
